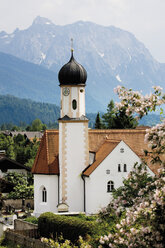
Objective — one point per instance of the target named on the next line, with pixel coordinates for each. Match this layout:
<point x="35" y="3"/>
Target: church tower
<point x="73" y="136"/>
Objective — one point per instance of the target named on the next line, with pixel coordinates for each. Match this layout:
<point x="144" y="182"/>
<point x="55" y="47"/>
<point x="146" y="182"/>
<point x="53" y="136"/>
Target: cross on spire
<point x="72" y="45"/>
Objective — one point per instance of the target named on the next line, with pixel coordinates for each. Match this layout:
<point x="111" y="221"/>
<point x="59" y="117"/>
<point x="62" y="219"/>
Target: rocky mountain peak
<point x="42" y="21"/>
<point x="110" y="55"/>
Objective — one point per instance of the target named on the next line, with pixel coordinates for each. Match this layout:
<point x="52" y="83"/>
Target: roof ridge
<point x="117" y="130"/>
<point x="15" y="162"/>
<point x="112" y="140"/>
<point x="52" y="131"/>
<point x="47" y="153"/>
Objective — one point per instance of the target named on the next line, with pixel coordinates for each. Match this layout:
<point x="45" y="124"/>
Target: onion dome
<point x="72" y="73"/>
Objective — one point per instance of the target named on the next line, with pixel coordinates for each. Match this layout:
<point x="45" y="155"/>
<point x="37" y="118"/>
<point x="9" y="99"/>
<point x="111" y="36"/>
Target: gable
<point x="117" y="150"/>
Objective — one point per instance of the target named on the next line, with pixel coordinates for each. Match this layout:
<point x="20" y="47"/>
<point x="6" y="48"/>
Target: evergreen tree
<point x="98" y="122"/>
<point x="108" y="118"/>
<point x="123" y="121"/>
<point x="117" y="119"/>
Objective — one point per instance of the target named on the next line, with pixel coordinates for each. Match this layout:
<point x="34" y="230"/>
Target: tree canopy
<point x="19" y="148"/>
<point x="115" y="119"/>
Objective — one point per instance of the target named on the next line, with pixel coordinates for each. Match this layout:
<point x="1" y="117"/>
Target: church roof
<point x="72" y="73"/>
<point x="100" y="141"/>
<point x="46" y="161"/>
<point x="101" y="154"/>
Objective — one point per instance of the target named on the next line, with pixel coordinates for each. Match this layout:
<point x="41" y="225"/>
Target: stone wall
<point x="23" y="225"/>
<point x="17" y="203"/>
<point x="24" y="241"/>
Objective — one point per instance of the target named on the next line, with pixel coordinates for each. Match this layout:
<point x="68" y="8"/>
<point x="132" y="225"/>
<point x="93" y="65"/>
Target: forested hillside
<point x="15" y="110"/>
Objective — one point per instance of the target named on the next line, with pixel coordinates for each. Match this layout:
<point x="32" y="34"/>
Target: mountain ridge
<point x="27" y="80"/>
<point x="110" y="55"/>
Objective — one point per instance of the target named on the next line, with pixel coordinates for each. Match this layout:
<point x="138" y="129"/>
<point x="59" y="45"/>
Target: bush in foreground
<point x="51" y="226"/>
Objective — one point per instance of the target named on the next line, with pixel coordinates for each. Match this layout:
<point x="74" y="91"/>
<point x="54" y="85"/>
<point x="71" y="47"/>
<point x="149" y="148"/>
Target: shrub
<point x="51" y="226"/>
<point x="32" y="220"/>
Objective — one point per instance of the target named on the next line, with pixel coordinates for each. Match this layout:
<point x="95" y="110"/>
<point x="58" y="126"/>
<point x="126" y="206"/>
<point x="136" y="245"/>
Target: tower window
<point x="74" y="104"/>
<point x="81" y="90"/>
<point x="107" y="171"/>
<point x="44" y="195"/>
<point x="119" y="168"/>
<point x="110" y="186"/>
<point x="125" y="168"/>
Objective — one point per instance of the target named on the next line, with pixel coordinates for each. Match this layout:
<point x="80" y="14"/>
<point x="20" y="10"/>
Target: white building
<point x="76" y="169"/>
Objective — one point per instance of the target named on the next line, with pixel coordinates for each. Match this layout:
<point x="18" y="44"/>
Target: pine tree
<point x="98" y="123"/>
<point x="108" y="118"/>
<point x="117" y="119"/>
<point x="123" y="121"/>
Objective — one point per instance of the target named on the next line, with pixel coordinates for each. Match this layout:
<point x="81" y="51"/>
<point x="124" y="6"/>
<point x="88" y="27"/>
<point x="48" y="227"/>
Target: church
<point x="76" y="168"/>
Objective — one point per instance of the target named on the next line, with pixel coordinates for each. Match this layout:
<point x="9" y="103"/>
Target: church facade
<point x="76" y="169"/>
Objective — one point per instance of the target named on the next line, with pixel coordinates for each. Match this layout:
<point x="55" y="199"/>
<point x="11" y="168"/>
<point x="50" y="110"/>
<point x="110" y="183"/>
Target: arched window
<point x="74" y="104"/>
<point x="44" y="195"/>
<point x="119" y="168"/>
<point x="110" y="186"/>
<point x="125" y="168"/>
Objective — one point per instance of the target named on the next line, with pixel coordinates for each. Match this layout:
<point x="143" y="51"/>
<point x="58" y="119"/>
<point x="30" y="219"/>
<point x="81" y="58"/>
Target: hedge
<point x="52" y="226"/>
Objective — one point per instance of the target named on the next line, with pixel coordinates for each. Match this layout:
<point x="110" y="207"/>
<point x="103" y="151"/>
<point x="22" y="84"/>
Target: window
<point x="110" y="186"/>
<point x="121" y="150"/>
<point x="125" y="168"/>
<point x="44" y="195"/>
<point x="74" y="104"/>
<point x="107" y="171"/>
<point x="119" y="168"/>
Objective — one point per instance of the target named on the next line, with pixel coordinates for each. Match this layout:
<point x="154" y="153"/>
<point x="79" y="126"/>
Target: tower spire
<point x="72" y="46"/>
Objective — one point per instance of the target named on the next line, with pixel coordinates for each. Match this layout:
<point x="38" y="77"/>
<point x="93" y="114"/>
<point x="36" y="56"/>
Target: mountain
<point x="110" y="55"/>
<point x="27" y="80"/>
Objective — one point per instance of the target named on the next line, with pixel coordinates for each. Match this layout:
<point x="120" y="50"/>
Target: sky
<point x="144" y="18"/>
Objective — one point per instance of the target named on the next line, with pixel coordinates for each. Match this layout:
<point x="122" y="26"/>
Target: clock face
<point x="66" y="91"/>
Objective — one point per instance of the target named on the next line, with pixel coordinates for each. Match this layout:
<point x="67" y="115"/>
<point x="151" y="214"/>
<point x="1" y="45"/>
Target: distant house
<point x="27" y="134"/>
<point x="9" y="165"/>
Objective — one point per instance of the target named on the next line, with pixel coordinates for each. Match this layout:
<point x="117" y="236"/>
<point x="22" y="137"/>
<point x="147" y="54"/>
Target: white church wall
<point x="75" y="154"/>
<point x="50" y="182"/>
<point x="81" y="101"/>
<point x="97" y="196"/>
<point x="75" y="165"/>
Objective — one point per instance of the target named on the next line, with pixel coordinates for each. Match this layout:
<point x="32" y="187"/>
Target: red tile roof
<point x="46" y="161"/>
<point x="101" y="154"/>
<point x="100" y="141"/>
